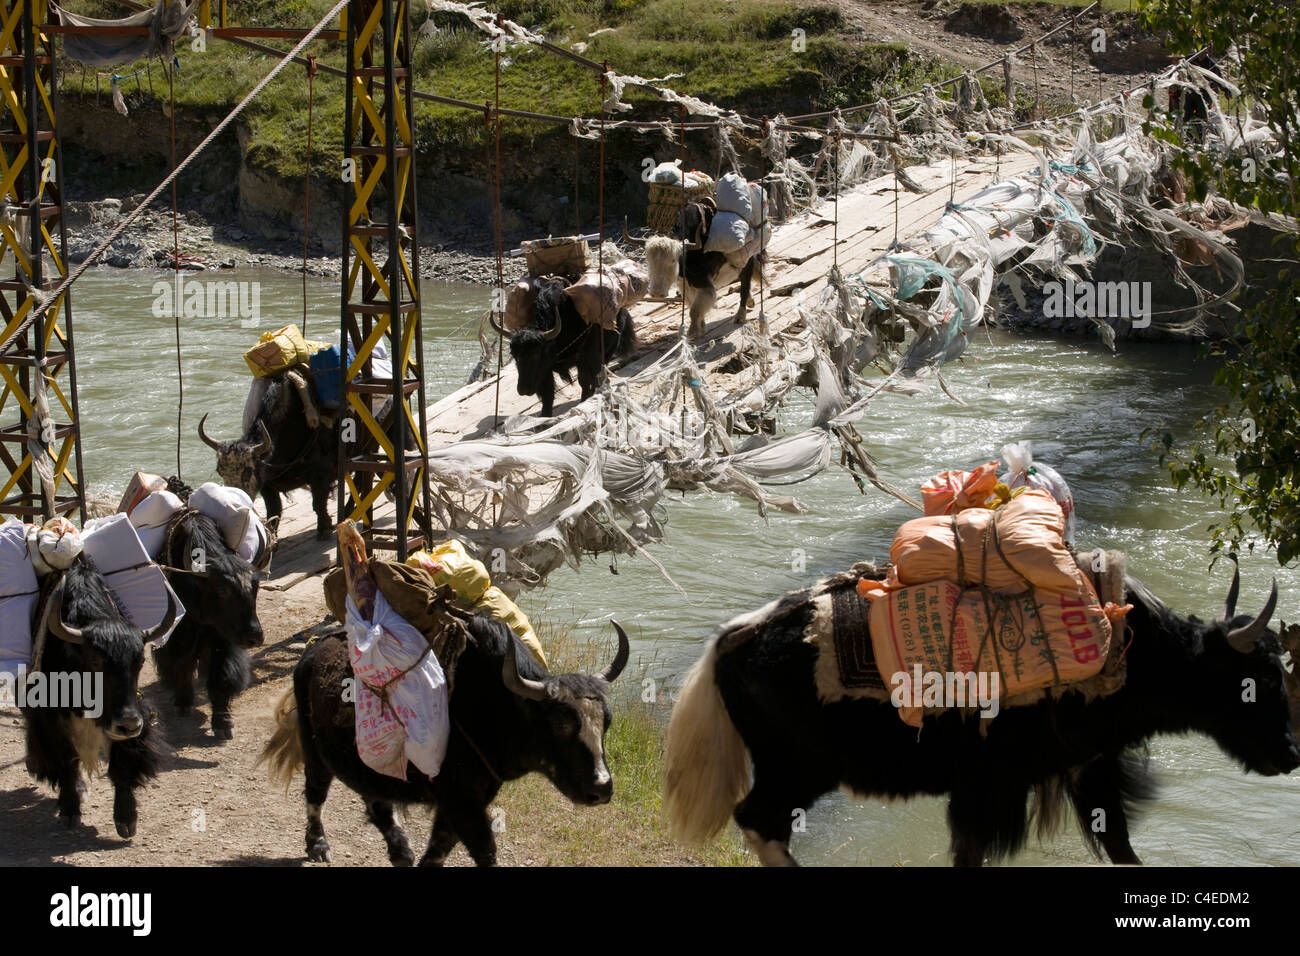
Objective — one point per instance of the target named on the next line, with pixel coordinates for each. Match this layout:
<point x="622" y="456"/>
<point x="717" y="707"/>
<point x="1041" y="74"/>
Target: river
<point x="1083" y="407"/>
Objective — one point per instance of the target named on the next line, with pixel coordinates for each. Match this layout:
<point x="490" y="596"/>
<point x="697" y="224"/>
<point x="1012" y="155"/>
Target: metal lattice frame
<point x="41" y="454"/>
<point x="381" y="292"/>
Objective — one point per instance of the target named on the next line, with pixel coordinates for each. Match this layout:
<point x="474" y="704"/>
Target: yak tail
<point x="706" y="763"/>
<point x="284" y="750"/>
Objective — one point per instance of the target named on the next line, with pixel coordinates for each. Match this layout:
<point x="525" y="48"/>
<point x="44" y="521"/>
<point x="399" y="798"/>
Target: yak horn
<point x="214" y="445"/>
<point x="1243" y="638"/>
<point x="528" y="689"/>
<point x="159" y="632"/>
<point x="554" y="333"/>
<point x="263" y="447"/>
<point x="628" y="237"/>
<point x="610" y="673"/>
<point x="54" y="620"/>
<point x="1230" y="606"/>
<point x="492" y="321"/>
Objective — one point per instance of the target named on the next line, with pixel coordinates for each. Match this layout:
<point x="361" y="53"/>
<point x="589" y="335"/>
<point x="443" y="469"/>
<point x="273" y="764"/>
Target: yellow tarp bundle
<point x="279" y="350"/>
<point x="449" y="563"/>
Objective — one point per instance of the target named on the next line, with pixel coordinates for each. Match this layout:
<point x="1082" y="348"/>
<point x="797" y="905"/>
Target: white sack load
<point x="755" y="240"/>
<point x="232" y="510"/>
<point x="758" y="205"/>
<point x="728" y="233"/>
<point x="53" y="546"/>
<point x="114" y="548"/>
<point x="151" y="517"/>
<point x="19" y="592"/>
<point x="416" y="723"/>
<point x="598" y="295"/>
<point x="733" y="195"/>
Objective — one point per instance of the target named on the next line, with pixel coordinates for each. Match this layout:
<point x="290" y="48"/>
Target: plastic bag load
<point x="232" y="510"/>
<point x="733" y="195"/>
<point x="495" y="602"/>
<point x="755" y="241"/>
<point x="113" y="546"/>
<point x="670" y="174"/>
<point x="728" y="233"/>
<point x="1043" y="640"/>
<point x="151" y="517"/>
<point x="402" y="706"/>
<point x="19" y="593"/>
<point x="53" y="546"/>
<point x="952" y="491"/>
<point x="449" y="563"/>
<point x="1022" y="470"/>
<point x="600" y="294"/>
<point x="327" y="376"/>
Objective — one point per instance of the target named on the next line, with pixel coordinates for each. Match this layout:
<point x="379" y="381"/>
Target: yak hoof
<point x="401" y="857"/>
<point x="324" y="532"/>
<point x="70" y="820"/>
<point x="318" y="852"/>
<point x="224" y="730"/>
<point x="125" y="828"/>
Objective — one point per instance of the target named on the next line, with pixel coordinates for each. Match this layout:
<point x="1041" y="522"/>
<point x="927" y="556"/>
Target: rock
<point x="111" y="205"/>
<point x="984" y="20"/>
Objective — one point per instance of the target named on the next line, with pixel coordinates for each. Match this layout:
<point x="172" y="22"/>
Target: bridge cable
<point x="494" y="117"/>
<point x="306" y="185"/>
<point x="600" y="227"/>
<point x="176" y="270"/>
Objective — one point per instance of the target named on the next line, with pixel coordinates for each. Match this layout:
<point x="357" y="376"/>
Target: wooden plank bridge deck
<point x="800" y="255"/>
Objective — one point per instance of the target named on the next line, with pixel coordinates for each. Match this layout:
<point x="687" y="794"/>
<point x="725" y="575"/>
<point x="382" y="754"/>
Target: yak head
<point x="220" y="590"/>
<point x="1248" y="708"/>
<point x="242" y="463"/>
<point x="570" y="716"/>
<point x="533" y="349"/>
<point x="95" y="638"/>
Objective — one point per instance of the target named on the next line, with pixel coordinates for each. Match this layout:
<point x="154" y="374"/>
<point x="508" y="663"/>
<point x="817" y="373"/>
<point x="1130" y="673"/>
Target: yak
<point x="219" y="592"/>
<point x="703" y="273"/>
<point x="88" y="635"/>
<point x="751" y="701"/>
<point x="281" y="452"/>
<point x="558" y="340"/>
<point x="509" y="717"/>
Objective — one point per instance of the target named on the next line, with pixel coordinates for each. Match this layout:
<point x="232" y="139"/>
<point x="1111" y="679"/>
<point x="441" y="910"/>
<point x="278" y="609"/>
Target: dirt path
<point x="974" y="37"/>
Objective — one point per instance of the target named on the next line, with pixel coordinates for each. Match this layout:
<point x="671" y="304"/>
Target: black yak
<point x="509" y="717"/>
<point x="703" y="273"/>
<point x="219" y="591"/>
<point x="89" y="635"/>
<point x="752" y="697"/>
<point x="281" y="452"/>
<point x="558" y="340"/>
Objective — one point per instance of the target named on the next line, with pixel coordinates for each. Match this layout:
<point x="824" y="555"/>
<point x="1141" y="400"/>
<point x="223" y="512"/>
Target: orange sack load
<point x="992" y="591"/>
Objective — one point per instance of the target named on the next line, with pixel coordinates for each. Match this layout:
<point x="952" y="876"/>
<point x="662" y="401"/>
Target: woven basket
<point x="666" y="203"/>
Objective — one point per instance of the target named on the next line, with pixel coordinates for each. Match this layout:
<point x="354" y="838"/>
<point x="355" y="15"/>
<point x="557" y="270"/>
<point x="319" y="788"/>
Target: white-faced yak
<point x="87" y="634"/>
<point x="701" y="274"/>
<point x="219" y="592"/>
<point x="559" y="340"/>
<point x="509" y="717"/>
<point x="750" y="704"/>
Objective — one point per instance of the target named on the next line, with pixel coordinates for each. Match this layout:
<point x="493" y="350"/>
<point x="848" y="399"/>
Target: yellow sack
<point x="450" y="563"/>
<point x="495" y="602"/>
<point x="279" y="350"/>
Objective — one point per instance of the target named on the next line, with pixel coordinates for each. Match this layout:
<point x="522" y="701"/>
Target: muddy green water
<point x="1083" y="407"/>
